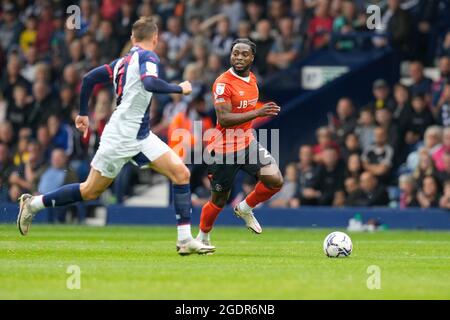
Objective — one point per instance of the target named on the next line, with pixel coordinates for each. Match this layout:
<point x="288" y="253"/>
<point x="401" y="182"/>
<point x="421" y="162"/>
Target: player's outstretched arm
<point x="157" y="85"/>
<point x="102" y="74"/>
<point x="227" y="118"/>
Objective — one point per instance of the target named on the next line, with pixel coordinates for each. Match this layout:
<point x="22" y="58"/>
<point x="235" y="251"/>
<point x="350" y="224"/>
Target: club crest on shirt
<point x="220" y="88"/>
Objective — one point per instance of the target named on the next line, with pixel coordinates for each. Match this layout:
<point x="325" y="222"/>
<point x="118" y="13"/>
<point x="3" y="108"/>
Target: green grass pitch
<point x="141" y="263"/>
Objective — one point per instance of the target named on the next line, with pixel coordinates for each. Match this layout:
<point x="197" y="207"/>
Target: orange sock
<point x="209" y="214"/>
<point x="260" y="194"/>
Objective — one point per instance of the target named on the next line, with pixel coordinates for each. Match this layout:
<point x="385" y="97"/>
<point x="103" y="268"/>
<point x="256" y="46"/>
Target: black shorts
<point x="223" y="168"/>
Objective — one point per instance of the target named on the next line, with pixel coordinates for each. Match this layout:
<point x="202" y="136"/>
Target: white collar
<point x="246" y="79"/>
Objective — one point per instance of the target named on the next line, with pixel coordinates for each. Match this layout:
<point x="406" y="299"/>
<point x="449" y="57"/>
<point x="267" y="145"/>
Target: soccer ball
<point x="337" y="244"/>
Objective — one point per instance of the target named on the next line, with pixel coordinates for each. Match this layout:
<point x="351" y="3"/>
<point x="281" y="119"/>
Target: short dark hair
<point x="246" y="41"/>
<point x="144" y="28"/>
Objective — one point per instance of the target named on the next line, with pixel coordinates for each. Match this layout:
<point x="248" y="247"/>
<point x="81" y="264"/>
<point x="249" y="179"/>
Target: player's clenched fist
<point x="186" y="87"/>
<point x="82" y="124"/>
<point x="270" y="109"/>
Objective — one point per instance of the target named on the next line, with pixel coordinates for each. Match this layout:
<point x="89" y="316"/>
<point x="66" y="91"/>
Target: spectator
<point x="29" y="34"/>
<point x="44" y="140"/>
<point x="420" y="83"/>
<point x="307" y="176"/>
<point x="20" y="153"/>
<point x="25" y="178"/>
<point x="425" y="166"/>
<point x="330" y="177"/>
<point x="6" y="168"/>
<point x="6" y="133"/>
<point x="29" y="69"/>
<point x="354" y="196"/>
<point x="202" y="193"/>
<point x="383" y="118"/>
<point x="442" y="110"/>
<point x="276" y="11"/>
<point x="377" y="159"/>
<point x="420" y="119"/>
<point x="397" y="22"/>
<point x="287" y="47"/>
<point x="284" y="197"/>
<point x="197" y="8"/>
<point x="301" y="16"/>
<point x="264" y="41"/>
<point x="108" y="42"/>
<point x="402" y="109"/>
<point x="407" y="186"/>
<point x="347" y="22"/>
<point x="69" y="103"/>
<point x="444" y="78"/>
<point x="125" y="20"/>
<point x="320" y="26"/>
<point x="43" y="106"/>
<point x="374" y="194"/>
<point x="254" y="13"/>
<point x="438" y="155"/>
<point x="346" y="120"/>
<point x="365" y="128"/>
<point x="382" y="100"/>
<point x="244" y="30"/>
<point x="444" y="49"/>
<point x="19" y="108"/>
<point x="10" y="27"/>
<point x="233" y="10"/>
<point x="178" y="42"/>
<point x="174" y="107"/>
<point x="191" y="139"/>
<point x="351" y="146"/>
<point x="57" y="174"/>
<point x="354" y="166"/>
<point x="432" y="143"/>
<point x="444" y="174"/>
<point x="222" y="40"/>
<point x="11" y="78"/>
<point x="60" y="134"/>
<point x="45" y="30"/>
<point x="324" y="140"/>
<point x="444" y="202"/>
<point x="429" y="195"/>
<point x="213" y="69"/>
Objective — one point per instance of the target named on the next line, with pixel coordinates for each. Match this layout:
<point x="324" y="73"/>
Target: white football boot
<point x="26" y="215"/>
<point x="192" y="245"/>
<point x="249" y="218"/>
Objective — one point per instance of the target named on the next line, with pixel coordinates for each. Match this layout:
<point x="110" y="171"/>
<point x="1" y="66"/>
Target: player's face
<point x="241" y="57"/>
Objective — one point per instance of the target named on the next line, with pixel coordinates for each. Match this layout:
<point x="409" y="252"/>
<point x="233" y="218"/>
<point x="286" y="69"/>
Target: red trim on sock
<point x="209" y="215"/>
<point x="260" y="194"/>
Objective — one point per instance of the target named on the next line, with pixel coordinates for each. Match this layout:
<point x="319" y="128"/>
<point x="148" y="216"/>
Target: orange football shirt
<point x="242" y="93"/>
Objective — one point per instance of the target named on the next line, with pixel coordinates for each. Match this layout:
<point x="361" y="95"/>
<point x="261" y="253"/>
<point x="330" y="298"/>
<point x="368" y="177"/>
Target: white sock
<point x="37" y="203"/>
<point x="184" y="232"/>
<point x="203" y="236"/>
<point x="244" y="207"/>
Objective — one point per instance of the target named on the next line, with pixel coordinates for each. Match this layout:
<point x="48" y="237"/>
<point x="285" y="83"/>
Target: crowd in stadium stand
<point x="402" y="137"/>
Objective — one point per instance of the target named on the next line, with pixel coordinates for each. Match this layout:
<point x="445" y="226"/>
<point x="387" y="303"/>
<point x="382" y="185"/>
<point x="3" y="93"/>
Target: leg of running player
<point x="91" y="189"/>
<point x="171" y="165"/>
<point x="210" y="211"/>
<point x="270" y="182"/>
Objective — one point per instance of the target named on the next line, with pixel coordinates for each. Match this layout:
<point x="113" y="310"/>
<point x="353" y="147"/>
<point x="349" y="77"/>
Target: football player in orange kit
<point x="235" y="147"/>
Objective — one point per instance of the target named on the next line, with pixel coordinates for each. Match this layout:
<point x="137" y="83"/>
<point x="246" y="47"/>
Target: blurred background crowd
<point x="394" y="151"/>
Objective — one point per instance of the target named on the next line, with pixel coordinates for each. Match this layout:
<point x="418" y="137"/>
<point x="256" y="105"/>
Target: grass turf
<point x="141" y="263"/>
